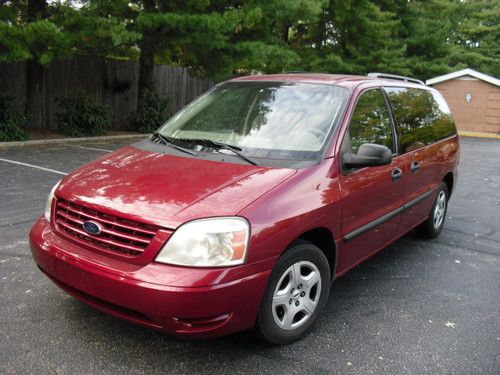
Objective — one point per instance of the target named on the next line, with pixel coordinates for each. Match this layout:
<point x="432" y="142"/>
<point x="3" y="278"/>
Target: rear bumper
<point x="129" y="291"/>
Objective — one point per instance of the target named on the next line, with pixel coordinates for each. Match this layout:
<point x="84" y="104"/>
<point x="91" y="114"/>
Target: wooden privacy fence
<point x="113" y="82"/>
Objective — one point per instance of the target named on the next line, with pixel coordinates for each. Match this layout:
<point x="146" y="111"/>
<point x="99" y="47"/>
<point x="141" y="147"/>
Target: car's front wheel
<point x="298" y="290"/>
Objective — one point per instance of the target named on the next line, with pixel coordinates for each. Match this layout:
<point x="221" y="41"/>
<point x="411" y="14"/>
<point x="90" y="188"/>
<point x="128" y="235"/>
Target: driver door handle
<point x="396" y="174"/>
<point x="415" y="166"/>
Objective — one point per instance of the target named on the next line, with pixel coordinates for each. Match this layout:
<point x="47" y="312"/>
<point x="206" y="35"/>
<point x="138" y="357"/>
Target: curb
<point x="59" y="141"/>
<point x="463" y="133"/>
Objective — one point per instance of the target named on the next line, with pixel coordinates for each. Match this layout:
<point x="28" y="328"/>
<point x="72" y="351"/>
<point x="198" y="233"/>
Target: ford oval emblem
<point x="92" y="227"/>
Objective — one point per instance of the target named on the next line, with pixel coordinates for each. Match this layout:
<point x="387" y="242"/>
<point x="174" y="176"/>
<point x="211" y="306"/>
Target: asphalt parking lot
<point x="417" y="307"/>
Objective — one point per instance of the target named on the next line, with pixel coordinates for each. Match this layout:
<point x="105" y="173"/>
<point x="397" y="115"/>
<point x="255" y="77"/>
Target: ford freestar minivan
<point x="241" y="210"/>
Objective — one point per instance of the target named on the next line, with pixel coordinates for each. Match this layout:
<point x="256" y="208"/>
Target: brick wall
<point x="482" y="112"/>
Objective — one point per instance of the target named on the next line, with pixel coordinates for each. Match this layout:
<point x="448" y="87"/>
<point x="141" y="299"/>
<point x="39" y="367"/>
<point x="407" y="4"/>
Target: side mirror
<point x="369" y="155"/>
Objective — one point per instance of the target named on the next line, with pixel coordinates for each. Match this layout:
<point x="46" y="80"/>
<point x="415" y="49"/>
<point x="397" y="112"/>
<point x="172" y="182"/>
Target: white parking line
<point x="89" y="148"/>
<point x="33" y="166"/>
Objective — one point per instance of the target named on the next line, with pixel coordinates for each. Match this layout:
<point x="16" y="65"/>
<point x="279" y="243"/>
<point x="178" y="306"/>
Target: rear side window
<point x="370" y="123"/>
<point x="422" y="117"/>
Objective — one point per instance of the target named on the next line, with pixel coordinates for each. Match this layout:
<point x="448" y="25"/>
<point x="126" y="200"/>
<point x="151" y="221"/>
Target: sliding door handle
<point x="415" y="166"/>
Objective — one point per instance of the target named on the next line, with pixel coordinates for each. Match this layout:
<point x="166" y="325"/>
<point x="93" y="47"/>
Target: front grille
<point x="121" y="236"/>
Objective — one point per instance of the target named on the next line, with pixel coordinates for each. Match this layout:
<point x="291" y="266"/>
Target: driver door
<point x="372" y="197"/>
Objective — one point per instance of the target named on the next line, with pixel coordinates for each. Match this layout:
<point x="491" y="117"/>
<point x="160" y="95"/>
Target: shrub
<point x="13" y="117"/>
<point x="151" y="113"/>
<point x="81" y="115"/>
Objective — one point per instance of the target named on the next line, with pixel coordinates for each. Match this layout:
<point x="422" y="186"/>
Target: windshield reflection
<point x="265" y="119"/>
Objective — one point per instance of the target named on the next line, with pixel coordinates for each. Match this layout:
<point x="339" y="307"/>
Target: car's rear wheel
<point x="431" y="228"/>
<point x="297" y="292"/>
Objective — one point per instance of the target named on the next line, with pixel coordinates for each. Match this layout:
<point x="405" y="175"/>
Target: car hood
<point x="167" y="190"/>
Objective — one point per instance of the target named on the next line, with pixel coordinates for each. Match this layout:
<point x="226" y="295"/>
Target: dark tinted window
<point x="422" y="117"/>
<point x="370" y="123"/>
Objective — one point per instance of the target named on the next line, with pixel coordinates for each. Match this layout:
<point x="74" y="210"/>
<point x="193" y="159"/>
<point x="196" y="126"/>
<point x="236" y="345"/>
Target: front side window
<point x="422" y="117"/>
<point x="370" y="123"/>
<point x="275" y="120"/>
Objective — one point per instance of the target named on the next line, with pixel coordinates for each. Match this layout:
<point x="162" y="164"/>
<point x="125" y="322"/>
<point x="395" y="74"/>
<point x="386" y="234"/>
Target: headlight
<point x="48" y="205"/>
<point x="210" y="242"/>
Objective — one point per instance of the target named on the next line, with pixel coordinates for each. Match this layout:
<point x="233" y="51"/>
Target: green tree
<point x="477" y="38"/>
<point x="269" y="35"/>
<point x="355" y="36"/>
<point x="223" y="38"/>
<point x="26" y="33"/>
<point x="426" y="29"/>
<point x="99" y="28"/>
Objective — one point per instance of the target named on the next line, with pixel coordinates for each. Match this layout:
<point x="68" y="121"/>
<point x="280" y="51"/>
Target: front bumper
<point x="179" y="300"/>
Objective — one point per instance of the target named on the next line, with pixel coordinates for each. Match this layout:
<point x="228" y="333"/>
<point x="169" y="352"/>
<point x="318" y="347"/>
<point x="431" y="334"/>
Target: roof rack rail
<point x="394" y="76"/>
<point x="297" y="72"/>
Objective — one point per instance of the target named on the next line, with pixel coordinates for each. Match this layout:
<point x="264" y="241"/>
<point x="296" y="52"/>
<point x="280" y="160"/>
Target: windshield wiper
<point x="169" y="143"/>
<point x="221" y="146"/>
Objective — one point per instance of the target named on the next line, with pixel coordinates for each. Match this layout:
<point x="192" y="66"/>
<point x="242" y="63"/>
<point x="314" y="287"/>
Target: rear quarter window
<point x="422" y="117"/>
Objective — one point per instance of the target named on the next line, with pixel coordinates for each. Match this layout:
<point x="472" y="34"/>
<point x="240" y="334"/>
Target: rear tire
<point x="431" y="228"/>
<point x="297" y="292"/>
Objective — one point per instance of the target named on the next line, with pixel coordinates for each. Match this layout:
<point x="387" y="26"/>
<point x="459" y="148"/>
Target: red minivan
<point x="241" y="210"/>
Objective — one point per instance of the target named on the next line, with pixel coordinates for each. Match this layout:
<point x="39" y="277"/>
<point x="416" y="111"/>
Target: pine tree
<point x="355" y="36"/>
<point x="223" y="38"/>
<point x="477" y="38"/>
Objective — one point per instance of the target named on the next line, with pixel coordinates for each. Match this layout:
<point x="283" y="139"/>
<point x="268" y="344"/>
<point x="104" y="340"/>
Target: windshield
<point x="274" y="120"/>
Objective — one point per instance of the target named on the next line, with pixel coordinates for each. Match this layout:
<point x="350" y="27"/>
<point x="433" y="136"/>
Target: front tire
<point x="431" y="228"/>
<point x="297" y="292"/>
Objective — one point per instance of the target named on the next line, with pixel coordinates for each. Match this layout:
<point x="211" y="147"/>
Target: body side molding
<point x="372" y="224"/>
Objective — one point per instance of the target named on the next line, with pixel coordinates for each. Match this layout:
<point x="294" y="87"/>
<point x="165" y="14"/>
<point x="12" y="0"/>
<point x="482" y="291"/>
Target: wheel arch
<point x="323" y="238"/>
<point x="448" y="180"/>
